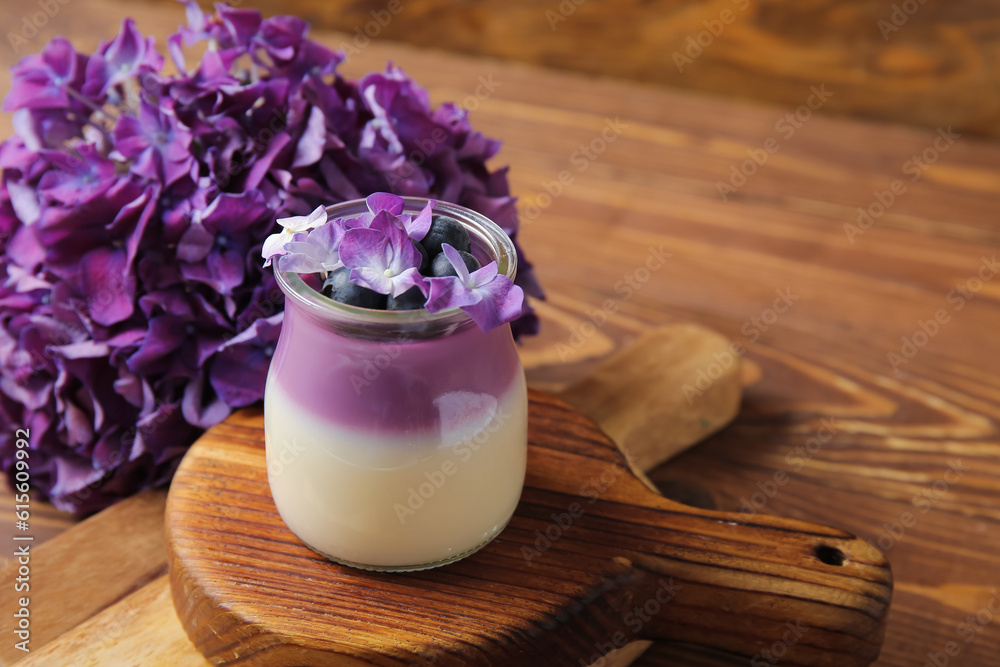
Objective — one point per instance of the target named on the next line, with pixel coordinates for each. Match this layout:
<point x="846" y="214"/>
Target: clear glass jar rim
<point x="483" y="233"/>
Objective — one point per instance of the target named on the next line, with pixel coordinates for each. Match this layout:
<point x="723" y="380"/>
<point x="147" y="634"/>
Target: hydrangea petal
<point x="107" y="285"/>
<point x="501" y="303"/>
<point x="385" y="201"/>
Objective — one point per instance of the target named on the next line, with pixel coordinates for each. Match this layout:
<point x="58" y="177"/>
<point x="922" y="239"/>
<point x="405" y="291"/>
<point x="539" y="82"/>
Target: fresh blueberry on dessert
<point x="362" y="297"/>
<point x="442" y="266"/>
<point x="446" y="230"/>
<point x="411" y="299"/>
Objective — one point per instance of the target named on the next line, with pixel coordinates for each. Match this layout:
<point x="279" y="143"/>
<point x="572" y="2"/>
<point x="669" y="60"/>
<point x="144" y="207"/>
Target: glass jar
<point x="395" y="440"/>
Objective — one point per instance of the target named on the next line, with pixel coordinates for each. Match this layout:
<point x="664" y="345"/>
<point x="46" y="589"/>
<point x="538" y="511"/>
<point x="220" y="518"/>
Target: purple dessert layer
<point x="381" y="387"/>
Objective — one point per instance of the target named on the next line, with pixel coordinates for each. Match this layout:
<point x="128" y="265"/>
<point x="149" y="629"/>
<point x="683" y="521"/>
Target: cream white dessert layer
<point x="399" y="499"/>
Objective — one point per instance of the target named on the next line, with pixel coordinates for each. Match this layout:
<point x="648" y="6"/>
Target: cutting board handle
<point x="767" y="588"/>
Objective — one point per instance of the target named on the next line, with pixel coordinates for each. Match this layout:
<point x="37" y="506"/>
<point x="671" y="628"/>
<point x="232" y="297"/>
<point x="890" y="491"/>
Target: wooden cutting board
<point x="100" y="594"/>
<point x="591" y="561"/>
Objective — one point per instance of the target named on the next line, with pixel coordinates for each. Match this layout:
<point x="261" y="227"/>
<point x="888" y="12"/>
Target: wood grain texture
<point x="140" y="630"/>
<point x="933" y="64"/>
<point x="90" y="567"/>
<point x="647" y="399"/>
<point x="784" y="229"/>
<point x="96" y="600"/>
<point x="591" y="557"/>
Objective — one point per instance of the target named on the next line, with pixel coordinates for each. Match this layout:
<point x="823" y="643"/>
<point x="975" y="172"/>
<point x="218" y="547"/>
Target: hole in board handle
<point x="830" y="555"/>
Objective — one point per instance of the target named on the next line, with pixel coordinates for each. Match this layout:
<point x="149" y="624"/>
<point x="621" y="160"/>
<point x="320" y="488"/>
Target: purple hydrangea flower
<point x="157" y="143"/>
<point x="121" y="60"/>
<point x="416" y="226"/>
<point x="489" y="298"/>
<point x="382" y="256"/>
<point x="47" y="80"/>
<point x="292" y="228"/>
<point x="134" y="205"/>
<point x="318" y="253"/>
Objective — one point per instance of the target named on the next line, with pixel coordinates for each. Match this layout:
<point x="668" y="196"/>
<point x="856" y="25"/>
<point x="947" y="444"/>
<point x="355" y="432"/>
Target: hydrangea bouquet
<point x="134" y="207"/>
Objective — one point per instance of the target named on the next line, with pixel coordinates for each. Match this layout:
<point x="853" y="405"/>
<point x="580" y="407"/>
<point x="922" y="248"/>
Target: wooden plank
<point x="88" y="568"/>
<point x="141" y="629"/>
<point x="930" y="64"/>
<point x="45" y="523"/>
<point x="663" y="393"/>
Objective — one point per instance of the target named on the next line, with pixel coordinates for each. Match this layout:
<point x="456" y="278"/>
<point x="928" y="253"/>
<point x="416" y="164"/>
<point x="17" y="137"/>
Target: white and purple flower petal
<point x="418" y="225"/>
<point x="489" y="298"/>
<point x="381" y="257"/>
<point x="500" y="303"/>
<point x="384" y="201"/>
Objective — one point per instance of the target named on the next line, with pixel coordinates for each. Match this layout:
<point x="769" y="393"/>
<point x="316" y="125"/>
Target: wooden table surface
<point x="872" y="349"/>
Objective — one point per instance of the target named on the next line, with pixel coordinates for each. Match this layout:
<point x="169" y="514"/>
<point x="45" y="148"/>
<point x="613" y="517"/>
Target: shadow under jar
<point x="395" y="440"/>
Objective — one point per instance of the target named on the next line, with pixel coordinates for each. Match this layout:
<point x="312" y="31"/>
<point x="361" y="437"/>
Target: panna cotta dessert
<point x="396" y="440"/>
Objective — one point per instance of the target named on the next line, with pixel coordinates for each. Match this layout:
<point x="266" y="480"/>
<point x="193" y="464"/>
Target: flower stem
<point x="131" y="95"/>
<point x="96" y="109"/>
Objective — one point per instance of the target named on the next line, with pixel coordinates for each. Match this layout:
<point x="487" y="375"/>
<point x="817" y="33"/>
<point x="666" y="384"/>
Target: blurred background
<point x="942" y="69"/>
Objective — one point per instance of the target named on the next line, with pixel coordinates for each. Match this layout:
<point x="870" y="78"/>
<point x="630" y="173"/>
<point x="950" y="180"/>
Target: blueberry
<point x="355" y="295"/>
<point x="425" y="259"/>
<point x="411" y="299"/>
<point x="335" y="281"/>
<point x="441" y="266"/>
<point x="446" y="230"/>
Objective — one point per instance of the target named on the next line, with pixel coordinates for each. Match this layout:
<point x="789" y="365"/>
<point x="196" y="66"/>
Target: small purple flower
<point x="318" y="253"/>
<point x="292" y="228"/>
<point x="158" y="144"/>
<point x="381" y="257"/>
<point x="239" y="368"/>
<point x="489" y="298"/>
<point x="213" y="249"/>
<point x="121" y="60"/>
<point x="416" y="226"/>
<point x="45" y="81"/>
<point x="76" y="178"/>
<point x="46" y="128"/>
<point x="107" y="286"/>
